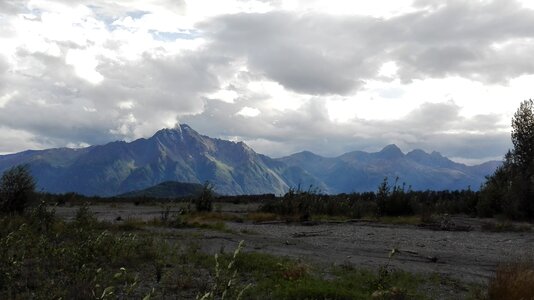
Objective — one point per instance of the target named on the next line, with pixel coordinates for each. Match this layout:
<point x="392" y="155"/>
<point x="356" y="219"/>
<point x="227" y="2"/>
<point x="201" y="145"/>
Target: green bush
<point x="43" y="257"/>
<point x="17" y="187"/>
<point x="204" y="202"/>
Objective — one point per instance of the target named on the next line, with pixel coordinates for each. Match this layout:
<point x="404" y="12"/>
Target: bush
<point x="513" y="281"/>
<point x="204" y="202"/>
<point x="43" y="257"/>
<point x="17" y="187"/>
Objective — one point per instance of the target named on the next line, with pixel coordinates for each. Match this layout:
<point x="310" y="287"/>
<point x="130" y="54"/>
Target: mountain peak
<point x="185" y="127"/>
<point x="418" y="154"/>
<point x="391" y="151"/>
<point x="436" y="154"/>
<point x="168" y="131"/>
<point x="177" y="132"/>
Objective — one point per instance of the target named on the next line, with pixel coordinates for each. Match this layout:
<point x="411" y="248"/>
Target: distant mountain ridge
<point x="181" y="154"/>
<point x="360" y="171"/>
<point x="167" y="189"/>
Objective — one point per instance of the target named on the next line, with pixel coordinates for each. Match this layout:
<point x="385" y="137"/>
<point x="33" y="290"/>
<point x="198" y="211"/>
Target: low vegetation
<point x="513" y="281"/>
<point x="388" y="203"/>
<point x="45" y="257"/>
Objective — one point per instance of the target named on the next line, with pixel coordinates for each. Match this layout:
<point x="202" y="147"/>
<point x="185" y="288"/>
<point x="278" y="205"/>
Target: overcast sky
<point x="328" y="76"/>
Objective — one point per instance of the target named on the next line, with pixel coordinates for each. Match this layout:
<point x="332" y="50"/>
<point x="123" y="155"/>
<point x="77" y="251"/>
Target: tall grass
<point x="513" y="281"/>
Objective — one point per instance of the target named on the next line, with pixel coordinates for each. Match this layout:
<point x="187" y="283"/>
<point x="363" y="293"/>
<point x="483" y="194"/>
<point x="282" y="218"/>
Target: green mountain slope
<point x="167" y="189"/>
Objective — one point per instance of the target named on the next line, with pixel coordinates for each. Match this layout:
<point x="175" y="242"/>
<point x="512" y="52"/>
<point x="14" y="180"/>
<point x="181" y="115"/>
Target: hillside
<point x="361" y="171"/>
<point x="167" y="189"/>
<point x="183" y="155"/>
<point x="179" y="154"/>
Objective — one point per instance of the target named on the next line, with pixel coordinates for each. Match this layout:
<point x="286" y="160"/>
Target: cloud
<point x="422" y="76"/>
<point x="433" y="126"/>
<point x="488" y="41"/>
<point x="9" y="7"/>
<point x="482" y="40"/>
<point x="65" y="87"/>
<point x="54" y="103"/>
<point x="313" y="54"/>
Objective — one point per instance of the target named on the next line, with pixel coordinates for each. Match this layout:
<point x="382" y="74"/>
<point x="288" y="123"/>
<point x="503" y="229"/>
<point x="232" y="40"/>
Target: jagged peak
<point x="245" y="146"/>
<point x="185" y="127"/>
<point x="177" y="131"/>
<point x="436" y="154"/>
<point x="392" y="149"/>
<point x="167" y="131"/>
<point x="417" y="152"/>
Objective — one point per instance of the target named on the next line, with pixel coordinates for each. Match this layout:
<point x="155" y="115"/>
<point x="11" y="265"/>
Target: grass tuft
<point x="505" y="227"/>
<point x="513" y="281"/>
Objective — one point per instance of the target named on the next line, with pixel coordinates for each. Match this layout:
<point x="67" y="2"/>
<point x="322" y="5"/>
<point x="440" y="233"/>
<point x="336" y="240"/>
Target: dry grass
<point x="513" y="281"/>
<point x="262" y="217"/>
<point x="294" y="271"/>
<point x="505" y="227"/>
<point x="201" y="217"/>
<point x="400" y="220"/>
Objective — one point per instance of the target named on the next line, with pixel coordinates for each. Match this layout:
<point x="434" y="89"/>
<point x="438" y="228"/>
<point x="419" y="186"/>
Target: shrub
<point x="204" y="202"/>
<point x="513" y="281"/>
<point x="17" y="187"/>
<point x="45" y="258"/>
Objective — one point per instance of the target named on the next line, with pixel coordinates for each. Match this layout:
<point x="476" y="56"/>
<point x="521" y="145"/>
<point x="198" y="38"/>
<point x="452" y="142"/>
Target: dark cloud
<point x="462" y="38"/>
<point x="314" y="54"/>
<point x="52" y="102"/>
<point x="319" y="54"/>
<point x="165" y="83"/>
<point x="433" y="126"/>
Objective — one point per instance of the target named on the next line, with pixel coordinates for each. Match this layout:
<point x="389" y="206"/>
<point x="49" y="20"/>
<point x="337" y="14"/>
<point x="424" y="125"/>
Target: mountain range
<point x="182" y="154"/>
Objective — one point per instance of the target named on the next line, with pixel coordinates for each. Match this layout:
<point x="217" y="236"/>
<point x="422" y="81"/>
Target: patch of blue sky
<point x="104" y="16"/>
<point x="173" y="36"/>
<point x="109" y="18"/>
<point x="136" y="14"/>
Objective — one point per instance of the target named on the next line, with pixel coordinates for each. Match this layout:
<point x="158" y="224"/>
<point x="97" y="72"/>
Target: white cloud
<point x="224" y="95"/>
<point x="126" y="105"/>
<point x="84" y="64"/>
<point x="6" y="98"/>
<point x="326" y="75"/>
<point x="388" y="69"/>
<point x="248" y="112"/>
<point x="276" y="96"/>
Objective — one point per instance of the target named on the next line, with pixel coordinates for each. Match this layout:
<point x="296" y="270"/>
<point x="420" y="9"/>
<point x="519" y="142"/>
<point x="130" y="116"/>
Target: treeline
<point x="75" y="198"/>
<point x="510" y="190"/>
<point x="388" y="200"/>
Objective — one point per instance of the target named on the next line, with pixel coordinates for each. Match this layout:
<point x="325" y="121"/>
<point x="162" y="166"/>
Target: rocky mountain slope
<point x="181" y="154"/>
<point x="361" y="171"/>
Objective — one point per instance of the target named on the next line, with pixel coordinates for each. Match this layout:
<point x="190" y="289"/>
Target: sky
<point x="328" y="76"/>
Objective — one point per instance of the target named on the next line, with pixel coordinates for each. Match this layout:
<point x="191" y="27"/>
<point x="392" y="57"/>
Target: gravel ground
<point x="468" y="256"/>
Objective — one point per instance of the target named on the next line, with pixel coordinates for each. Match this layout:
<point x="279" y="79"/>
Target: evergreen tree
<point x="510" y="189"/>
<point x="17" y="186"/>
